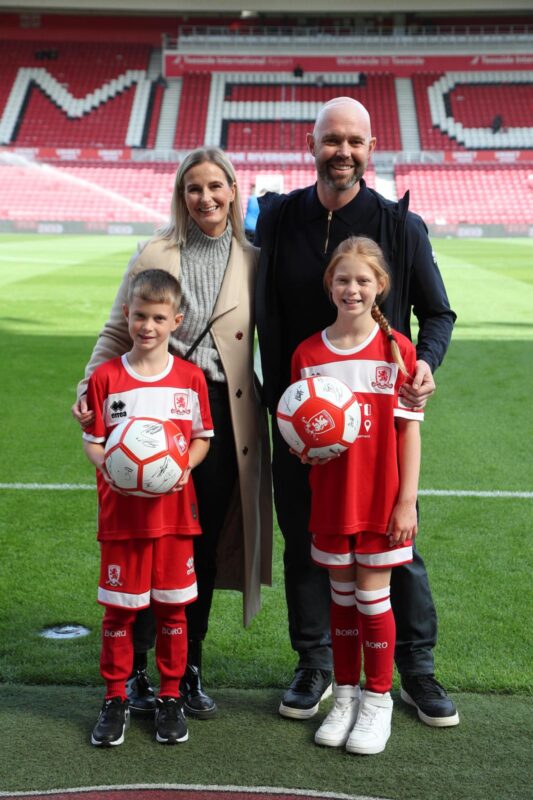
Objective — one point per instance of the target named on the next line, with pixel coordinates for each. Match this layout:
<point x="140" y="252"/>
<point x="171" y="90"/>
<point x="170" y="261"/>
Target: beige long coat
<point x="245" y="548"/>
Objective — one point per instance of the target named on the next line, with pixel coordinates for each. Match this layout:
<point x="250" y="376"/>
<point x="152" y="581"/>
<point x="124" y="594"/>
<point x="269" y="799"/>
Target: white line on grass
<point x="82" y="487"/>
<point x="51" y="487"/>
<point x="254" y="790"/>
<point x="468" y="493"/>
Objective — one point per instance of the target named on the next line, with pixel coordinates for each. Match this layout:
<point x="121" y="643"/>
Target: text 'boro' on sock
<point x="378" y="636"/>
<point x="345" y="638"/>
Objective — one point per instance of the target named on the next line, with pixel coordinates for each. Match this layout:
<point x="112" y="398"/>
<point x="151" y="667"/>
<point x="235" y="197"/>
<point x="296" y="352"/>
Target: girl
<point x="363" y="509"/>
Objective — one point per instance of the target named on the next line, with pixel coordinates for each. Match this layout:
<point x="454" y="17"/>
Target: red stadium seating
<point x="74" y="70"/>
<point x="474" y="194"/>
<point x="475" y="104"/>
<point x="104" y="192"/>
<point x="253" y="133"/>
<point x="431" y="138"/>
<point x="190" y="127"/>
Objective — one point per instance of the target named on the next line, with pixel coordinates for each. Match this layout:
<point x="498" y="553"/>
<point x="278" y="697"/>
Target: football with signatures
<point x="145" y="456"/>
<point x="319" y="416"/>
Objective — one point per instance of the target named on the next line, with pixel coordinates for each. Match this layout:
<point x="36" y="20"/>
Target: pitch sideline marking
<point x="196" y="788"/>
<point x="82" y="487"/>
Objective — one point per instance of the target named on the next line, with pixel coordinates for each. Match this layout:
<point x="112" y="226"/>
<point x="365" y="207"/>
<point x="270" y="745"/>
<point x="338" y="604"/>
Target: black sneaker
<point x="170" y="724"/>
<point x="308" y="687"/>
<point x="433" y="705"/>
<point x="112" y="723"/>
<point x="140" y="692"/>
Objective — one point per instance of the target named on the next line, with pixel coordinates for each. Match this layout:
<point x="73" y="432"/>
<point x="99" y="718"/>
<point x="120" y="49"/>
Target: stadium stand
<point x="458" y="111"/>
<point x="452" y="194"/>
<point x="275" y="112"/>
<point x="62" y="99"/>
<point x="73" y="94"/>
<point x="193" y="107"/>
<point x="115" y="192"/>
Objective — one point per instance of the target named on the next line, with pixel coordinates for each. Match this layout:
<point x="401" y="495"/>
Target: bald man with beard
<point x="297" y="234"/>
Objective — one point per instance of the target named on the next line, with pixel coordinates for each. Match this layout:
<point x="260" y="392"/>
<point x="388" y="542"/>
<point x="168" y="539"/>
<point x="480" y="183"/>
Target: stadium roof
<point x="270" y="6"/>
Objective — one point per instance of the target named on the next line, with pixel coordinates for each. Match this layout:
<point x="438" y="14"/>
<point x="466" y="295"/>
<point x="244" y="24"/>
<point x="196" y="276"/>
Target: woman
<point x="204" y="247"/>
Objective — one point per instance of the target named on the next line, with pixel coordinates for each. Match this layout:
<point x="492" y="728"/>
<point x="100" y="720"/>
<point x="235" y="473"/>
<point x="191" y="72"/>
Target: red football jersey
<point x="116" y="392"/>
<point x="357" y="491"/>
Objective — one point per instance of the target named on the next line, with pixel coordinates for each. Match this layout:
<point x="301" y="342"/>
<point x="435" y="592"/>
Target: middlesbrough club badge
<point x="181" y="403"/>
<point x="319" y="423"/>
<point x="383" y="378"/>
<point x="113" y="575"/>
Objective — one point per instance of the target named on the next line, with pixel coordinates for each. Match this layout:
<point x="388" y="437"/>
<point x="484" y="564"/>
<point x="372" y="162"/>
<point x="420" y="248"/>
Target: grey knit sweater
<point x="203" y="263"/>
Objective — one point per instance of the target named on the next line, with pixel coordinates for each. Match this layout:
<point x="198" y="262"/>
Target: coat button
<point x="245" y="451"/>
<point x="238" y="393"/>
<point x="239" y="335"/>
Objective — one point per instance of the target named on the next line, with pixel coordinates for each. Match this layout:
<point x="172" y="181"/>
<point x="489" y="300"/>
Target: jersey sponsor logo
<point x="181" y="403"/>
<point x="113" y="575"/>
<point x="115" y="634"/>
<point x="376" y="645"/>
<point x="366" y="412"/>
<point x="346" y="632"/>
<point x="118" y="409"/>
<point x="319" y="423"/>
<point x="383" y="378"/>
<point x="190" y="565"/>
<point x="166" y="631"/>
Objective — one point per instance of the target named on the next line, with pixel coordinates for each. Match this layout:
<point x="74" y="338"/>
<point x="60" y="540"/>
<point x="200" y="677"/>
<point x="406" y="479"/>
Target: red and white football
<point x="319" y="416"/>
<point x="145" y="456"/>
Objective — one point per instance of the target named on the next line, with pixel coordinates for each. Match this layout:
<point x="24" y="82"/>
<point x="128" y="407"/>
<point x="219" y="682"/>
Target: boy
<point x="146" y="543"/>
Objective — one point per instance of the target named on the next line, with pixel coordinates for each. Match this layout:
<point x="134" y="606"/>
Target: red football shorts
<point x="133" y="571"/>
<point x="367" y="549"/>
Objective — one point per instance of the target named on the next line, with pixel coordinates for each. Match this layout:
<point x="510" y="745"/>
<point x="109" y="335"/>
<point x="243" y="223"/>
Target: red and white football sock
<point x="345" y="639"/>
<point x="116" y="658"/>
<point x="170" y="646"/>
<point x="378" y="634"/>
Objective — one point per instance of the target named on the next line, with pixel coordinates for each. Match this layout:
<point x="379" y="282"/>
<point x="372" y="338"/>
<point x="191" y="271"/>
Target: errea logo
<point x="118" y="409"/>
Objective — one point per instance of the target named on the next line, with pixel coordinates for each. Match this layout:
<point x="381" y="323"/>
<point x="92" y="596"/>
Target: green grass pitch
<point x="56" y="292"/>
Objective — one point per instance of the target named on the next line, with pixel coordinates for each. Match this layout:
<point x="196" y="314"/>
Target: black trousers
<point x="307" y="585"/>
<point x="214" y="481"/>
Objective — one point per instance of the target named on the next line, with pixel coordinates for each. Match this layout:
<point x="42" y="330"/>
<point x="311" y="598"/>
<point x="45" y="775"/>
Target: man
<point x="297" y="234"/>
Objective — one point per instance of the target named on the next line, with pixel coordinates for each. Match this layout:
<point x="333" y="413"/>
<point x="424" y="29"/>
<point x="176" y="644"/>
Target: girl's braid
<point x="384" y="324"/>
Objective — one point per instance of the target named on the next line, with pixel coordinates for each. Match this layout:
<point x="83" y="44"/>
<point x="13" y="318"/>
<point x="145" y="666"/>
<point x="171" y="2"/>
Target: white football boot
<point x="336" y="727"/>
<point x="373" y="727"/>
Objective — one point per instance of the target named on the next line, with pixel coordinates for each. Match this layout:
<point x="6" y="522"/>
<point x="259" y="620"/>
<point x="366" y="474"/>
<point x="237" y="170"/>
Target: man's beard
<point x="341" y="184"/>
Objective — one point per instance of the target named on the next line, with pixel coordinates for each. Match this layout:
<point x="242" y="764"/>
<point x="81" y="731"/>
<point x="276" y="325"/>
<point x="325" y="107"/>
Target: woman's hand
<point x="81" y="413"/>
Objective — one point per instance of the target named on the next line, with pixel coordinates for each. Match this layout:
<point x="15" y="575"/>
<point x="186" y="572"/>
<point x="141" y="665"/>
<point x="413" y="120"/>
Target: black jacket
<point x="416" y="284"/>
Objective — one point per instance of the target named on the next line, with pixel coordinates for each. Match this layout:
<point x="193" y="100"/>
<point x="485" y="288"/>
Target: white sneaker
<point x="372" y="729"/>
<point x="336" y="727"/>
